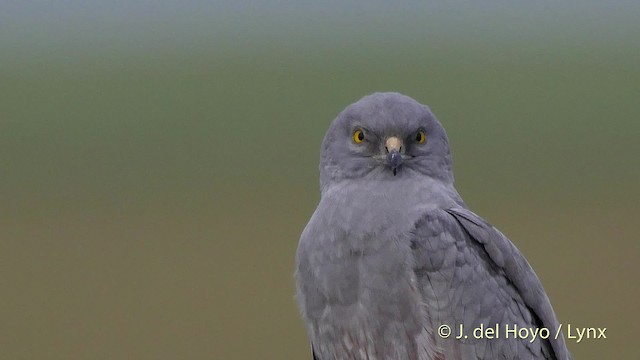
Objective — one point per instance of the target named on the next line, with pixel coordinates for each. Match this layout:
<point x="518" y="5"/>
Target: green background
<point x="158" y="161"/>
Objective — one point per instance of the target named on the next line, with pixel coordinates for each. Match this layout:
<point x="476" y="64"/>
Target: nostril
<point x="387" y="149"/>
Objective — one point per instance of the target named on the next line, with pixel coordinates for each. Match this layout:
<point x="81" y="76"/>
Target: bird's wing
<point x="471" y="274"/>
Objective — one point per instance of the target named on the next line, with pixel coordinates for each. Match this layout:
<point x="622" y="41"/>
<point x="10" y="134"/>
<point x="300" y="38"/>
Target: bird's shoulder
<point x="478" y="270"/>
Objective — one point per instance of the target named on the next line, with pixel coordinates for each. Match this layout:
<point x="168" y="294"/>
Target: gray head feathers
<point x="355" y="146"/>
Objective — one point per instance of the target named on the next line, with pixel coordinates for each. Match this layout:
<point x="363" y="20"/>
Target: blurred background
<point x="159" y="159"/>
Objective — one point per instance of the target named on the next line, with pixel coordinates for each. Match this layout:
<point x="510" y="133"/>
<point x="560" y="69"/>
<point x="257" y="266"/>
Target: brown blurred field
<point x="152" y="197"/>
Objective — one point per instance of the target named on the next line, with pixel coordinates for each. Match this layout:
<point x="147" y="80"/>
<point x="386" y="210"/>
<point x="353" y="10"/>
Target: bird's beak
<point x="394" y="158"/>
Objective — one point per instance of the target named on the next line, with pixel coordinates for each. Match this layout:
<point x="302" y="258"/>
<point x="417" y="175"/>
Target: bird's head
<point x="385" y="136"/>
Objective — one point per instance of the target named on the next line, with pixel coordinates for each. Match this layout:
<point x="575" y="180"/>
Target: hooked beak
<point x="394" y="158"/>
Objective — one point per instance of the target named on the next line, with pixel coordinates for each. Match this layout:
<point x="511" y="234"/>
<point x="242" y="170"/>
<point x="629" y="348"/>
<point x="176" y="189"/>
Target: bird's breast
<point x="357" y="273"/>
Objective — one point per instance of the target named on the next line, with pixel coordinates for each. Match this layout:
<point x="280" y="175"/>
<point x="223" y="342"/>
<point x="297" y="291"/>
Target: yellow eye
<point x="421" y="137"/>
<point x="358" y="136"/>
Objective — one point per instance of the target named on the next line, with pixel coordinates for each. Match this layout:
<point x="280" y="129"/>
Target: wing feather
<point x="517" y="270"/>
<point x="471" y="274"/>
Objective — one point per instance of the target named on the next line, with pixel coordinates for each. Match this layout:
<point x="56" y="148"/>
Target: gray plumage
<point x="392" y="252"/>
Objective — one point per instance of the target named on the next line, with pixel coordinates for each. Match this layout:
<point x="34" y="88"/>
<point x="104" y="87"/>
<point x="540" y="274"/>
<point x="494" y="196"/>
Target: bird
<point x="392" y="254"/>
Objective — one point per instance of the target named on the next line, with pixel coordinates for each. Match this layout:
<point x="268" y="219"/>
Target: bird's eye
<point x="358" y="136"/>
<point x="421" y="137"/>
